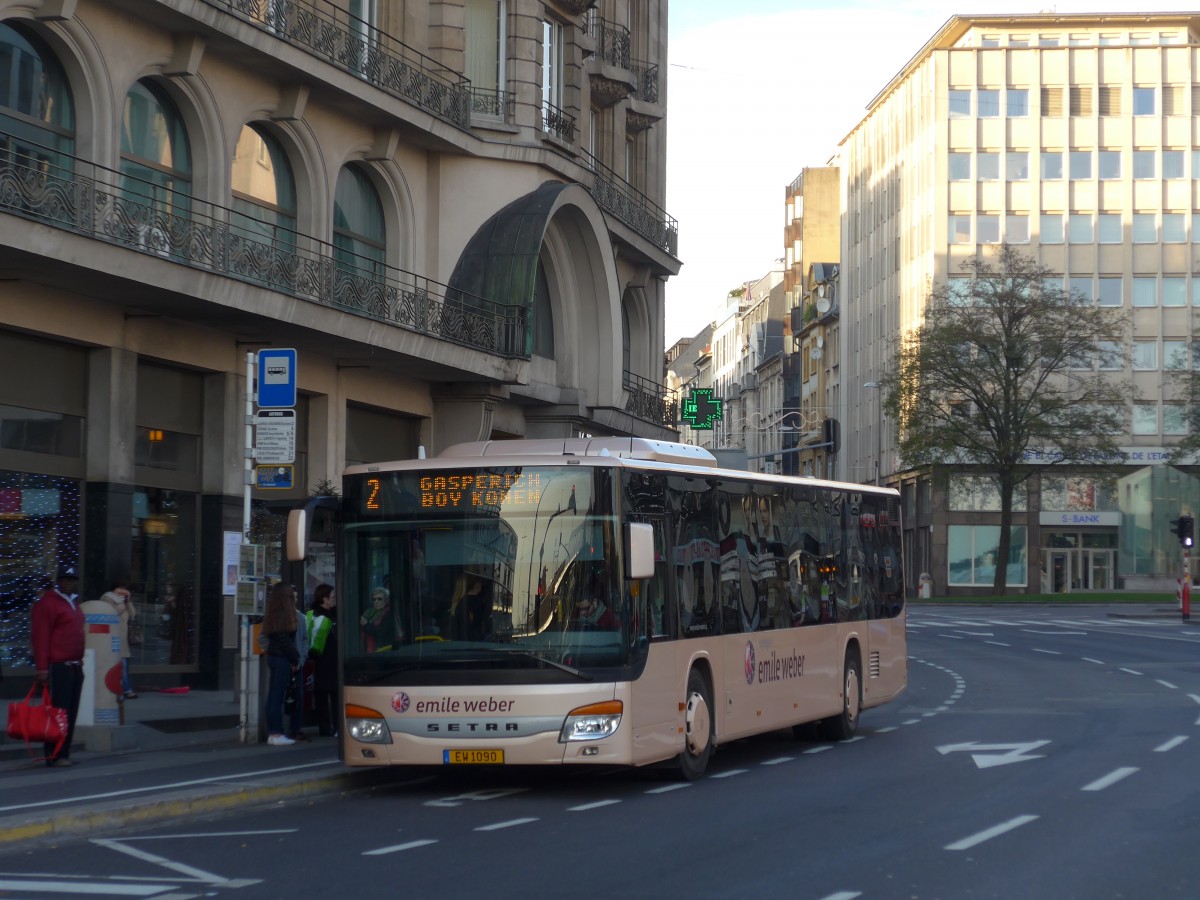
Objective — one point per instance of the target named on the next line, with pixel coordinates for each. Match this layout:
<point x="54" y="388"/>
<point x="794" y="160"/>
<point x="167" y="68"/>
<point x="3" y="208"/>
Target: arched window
<point x="156" y="162"/>
<point x="37" y="115"/>
<point x="543" y="316"/>
<point x="264" y="191"/>
<point x="359" y="231"/>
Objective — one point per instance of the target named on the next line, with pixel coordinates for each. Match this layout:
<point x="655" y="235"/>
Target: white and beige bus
<point x="607" y="601"/>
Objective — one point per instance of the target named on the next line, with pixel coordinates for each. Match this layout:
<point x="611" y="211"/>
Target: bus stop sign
<point x="276" y="379"/>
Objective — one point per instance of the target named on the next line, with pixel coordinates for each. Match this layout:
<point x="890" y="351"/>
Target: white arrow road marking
<point x="1014" y="752"/>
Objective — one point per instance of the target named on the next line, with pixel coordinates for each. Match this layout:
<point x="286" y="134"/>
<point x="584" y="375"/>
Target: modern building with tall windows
<point x="451" y="210"/>
<point x="1073" y="137"/>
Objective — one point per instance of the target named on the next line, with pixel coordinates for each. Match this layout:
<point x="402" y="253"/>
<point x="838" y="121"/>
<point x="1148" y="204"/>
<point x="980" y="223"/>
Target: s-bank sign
<point x="773" y="667"/>
<point x="1078" y="519"/>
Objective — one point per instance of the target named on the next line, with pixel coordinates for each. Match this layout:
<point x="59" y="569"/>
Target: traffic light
<point x="1184" y="528"/>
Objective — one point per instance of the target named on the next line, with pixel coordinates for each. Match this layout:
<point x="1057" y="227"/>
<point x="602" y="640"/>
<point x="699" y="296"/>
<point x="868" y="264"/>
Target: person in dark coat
<point x="323" y="651"/>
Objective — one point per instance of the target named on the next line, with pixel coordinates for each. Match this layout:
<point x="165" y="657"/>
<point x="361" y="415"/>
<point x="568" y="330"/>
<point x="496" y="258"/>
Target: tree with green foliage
<point x="1002" y="378"/>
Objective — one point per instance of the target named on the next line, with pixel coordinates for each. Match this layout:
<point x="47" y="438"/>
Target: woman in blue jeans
<point x="279" y="630"/>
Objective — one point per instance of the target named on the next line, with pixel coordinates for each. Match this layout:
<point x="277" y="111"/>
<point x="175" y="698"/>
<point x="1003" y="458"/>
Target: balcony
<point x="649" y="401"/>
<point x="615" y="195"/>
<point x="74" y="195"/>
<point x="609" y="72"/>
<point x="489" y="105"/>
<point x="644" y="110"/>
<point x="335" y="36"/>
<point x="558" y="122"/>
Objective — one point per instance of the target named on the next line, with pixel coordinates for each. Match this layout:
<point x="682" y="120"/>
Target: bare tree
<point x="1002" y="375"/>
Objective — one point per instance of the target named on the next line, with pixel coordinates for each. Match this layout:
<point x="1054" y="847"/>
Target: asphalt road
<point x="1037" y="753"/>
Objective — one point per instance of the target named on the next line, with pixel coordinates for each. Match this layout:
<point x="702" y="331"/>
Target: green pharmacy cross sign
<point x="702" y="410"/>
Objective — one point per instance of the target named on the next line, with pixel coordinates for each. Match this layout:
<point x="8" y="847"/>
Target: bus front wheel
<point x="698" y="728"/>
<point x="842" y="727"/>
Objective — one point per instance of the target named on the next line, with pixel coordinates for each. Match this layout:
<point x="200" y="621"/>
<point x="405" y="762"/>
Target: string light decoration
<point x="39" y="531"/>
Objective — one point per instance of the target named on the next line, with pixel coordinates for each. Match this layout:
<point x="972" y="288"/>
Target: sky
<point x="760" y="89"/>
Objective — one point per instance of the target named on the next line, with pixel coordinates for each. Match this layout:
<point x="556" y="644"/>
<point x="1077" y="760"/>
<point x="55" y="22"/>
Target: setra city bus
<point x="612" y="601"/>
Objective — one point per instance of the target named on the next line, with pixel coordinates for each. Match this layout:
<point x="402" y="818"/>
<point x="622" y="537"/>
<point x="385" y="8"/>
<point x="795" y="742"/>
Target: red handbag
<point x="42" y="723"/>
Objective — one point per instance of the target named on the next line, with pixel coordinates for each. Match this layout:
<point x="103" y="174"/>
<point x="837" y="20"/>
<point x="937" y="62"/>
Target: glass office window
<point x="1079" y="229"/>
<point x="1144" y="355"/>
<point x="959" y="166"/>
<point x="1172" y="164"/>
<point x="1050" y="228"/>
<point x="1082" y="290"/>
<point x="987" y="166"/>
<point x="1144" y="164"/>
<point x="1145" y="228"/>
<point x="1174" y="290"/>
<point x="1016" y="229"/>
<point x="959" y="229"/>
<point x="1108" y="165"/>
<point x="1145" y="290"/>
<point x="960" y="104"/>
<point x="1175" y="354"/>
<point x="1052" y="165"/>
<point x="1145" y="418"/>
<point x="1081" y="164"/>
<point x="1143" y="101"/>
<point x="1110" y="291"/>
<point x="987" y="229"/>
<point x="1018" y="103"/>
<point x="1108" y="228"/>
<point x="1016" y="165"/>
<point x="988" y="103"/>
<point x="1174" y="228"/>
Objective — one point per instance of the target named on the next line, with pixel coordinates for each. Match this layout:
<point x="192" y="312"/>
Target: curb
<point x="84" y="820"/>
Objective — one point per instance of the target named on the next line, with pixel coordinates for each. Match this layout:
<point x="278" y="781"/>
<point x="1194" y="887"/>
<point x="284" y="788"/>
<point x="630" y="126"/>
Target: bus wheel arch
<point x="700" y="724"/>
<point x="842" y="727"/>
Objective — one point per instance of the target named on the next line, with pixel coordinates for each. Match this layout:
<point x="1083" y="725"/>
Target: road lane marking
<point x="1051" y="652"/>
<point x="585" y="807"/>
<point x="998" y="643"/>
<point x="843" y="895"/>
<point x="1110" y="779"/>
<point x="779" y="761"/>
<point x="729" y="774"/>
<point x="886" y="730"/>
<point x="190" y="872"/>
<point x="511" y="823"/>
<point x="65" y="887"/>
<point x="1131" y="671"/>
<point x="995" y="831"/>
<point x="396" y="848"/>
<point x="911" y="722"/>
<point x="667" y="787"/>
<point x="171" y="786"/>
<point x="820" y="749"/>
<point x="1167" y="684"/>
<point x="1098" y="662"/>
<point x="954" y="637"/>
<point x="1171" y="744"/>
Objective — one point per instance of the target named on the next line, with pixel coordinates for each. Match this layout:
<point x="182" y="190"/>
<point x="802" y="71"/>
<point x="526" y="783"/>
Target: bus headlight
<point x="366" y="725"/>
<point x="592" y="722"/>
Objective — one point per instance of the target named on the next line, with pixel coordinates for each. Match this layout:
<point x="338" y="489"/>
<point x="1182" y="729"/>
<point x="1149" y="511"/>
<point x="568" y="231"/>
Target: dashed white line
<point x="953" y="637"/>
<point x="511" y="823"/>
<point x="998" y="643"/>
<point x="411" y="845"/>
<point x="1130" y="671"/>
<point x="1098" y="662"/>
<point x="821" y="749"/>
<point x="1171" y="744"/>
<point x="666" y="788"/>
<point x="843" y="895"/>
<point x="1167" y="684"/>
<point x="887" y="729"/>
<point x="995" y="831"/>
<point x="585" y="807"/>
<point x="1110" y="779"/>
<point x="729" y="774"/>
<point x="1050" y="652"/>
<point x="911" y="722"/>
<point x="854" y="740"/>
<point x="779" y="761"/>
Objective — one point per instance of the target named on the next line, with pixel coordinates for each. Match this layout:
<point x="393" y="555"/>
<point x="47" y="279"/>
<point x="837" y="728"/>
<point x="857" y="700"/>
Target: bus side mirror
<point x="639" y="550"/>
<point x="296" y="541"/>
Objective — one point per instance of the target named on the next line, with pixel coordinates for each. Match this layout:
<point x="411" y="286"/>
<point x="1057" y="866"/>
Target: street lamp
<point x="878" y="388"/>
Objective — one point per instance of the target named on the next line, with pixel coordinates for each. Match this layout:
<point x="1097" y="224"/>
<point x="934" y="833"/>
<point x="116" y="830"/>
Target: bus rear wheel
<point x="842" y="727"/>
<point x="698" y="728"/>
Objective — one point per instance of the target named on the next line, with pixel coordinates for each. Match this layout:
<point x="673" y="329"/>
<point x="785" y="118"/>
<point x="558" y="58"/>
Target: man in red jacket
<point x="58" y="629"/>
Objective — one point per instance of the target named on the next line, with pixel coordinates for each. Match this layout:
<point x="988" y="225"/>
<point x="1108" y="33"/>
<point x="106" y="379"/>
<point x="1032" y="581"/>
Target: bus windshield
<point x="493" y="574"/>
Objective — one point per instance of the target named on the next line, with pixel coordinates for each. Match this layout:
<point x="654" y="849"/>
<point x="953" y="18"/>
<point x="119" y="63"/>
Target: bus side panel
<point x="654" y="717"/>
<point x="778" y="678"/>
<point x="885" y="669"/>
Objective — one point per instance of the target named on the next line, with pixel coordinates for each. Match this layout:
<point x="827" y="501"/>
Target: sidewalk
<point x="183" y="758"/>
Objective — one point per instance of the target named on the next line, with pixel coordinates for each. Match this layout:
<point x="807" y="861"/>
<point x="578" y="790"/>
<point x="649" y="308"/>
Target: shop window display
<point x="39" y="530"/>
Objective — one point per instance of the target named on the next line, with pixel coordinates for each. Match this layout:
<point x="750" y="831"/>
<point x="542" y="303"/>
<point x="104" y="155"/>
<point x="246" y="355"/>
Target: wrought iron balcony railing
<point x="631" y="206"/>
<point x="646" y="76"/>
<point x="613" y="42"/>
<point x="650" y="401"/>
<point x="558" y="122"/>
<point x="489" y="104"/>
<point x="326" y="31"/>
<point x="72" y="194"/>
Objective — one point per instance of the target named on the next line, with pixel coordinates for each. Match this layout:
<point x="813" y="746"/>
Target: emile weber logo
<point x="772" y="668"/>
<point x="401" y="703"/>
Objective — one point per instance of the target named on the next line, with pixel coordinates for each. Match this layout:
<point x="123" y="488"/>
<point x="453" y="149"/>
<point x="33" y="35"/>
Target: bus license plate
<point x="473" y="757"/>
